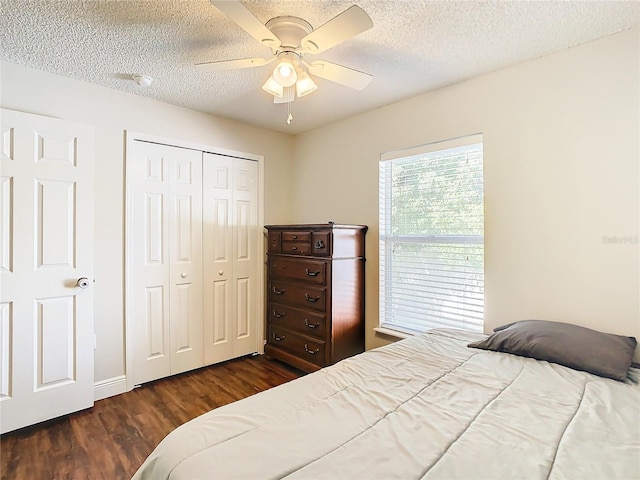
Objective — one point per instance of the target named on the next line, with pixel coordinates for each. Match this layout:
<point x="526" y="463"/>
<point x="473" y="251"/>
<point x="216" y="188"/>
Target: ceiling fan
<point x="290" y="39"/>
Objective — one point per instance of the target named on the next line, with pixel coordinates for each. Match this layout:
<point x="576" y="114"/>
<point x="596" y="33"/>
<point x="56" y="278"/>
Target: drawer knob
<point x="311" y="299"/>
<point x="310" y="273"/>
<point x="278" y="315"/>
<point x="295" y="237"/>
<point x="278" y="292"/>
<point x="310" y="325"/>
<point x="310" y="352"/>
<point x="277" y="338"/>
<point x="294" y="248"/>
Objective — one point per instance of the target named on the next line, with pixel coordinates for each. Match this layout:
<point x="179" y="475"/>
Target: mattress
<point x="424" y="407"/>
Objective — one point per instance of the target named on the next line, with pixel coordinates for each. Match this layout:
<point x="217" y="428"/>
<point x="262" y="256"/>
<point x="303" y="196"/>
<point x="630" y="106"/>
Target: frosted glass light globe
<point x="285" y="72"/>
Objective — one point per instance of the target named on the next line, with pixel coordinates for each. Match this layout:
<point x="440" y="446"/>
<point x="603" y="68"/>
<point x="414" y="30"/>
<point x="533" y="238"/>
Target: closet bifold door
<point x="231" y="237"/>
<point x="166" y="259"/>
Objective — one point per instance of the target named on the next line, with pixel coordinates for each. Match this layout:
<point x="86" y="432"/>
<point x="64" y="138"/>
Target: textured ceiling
<point x="415" y="46"/>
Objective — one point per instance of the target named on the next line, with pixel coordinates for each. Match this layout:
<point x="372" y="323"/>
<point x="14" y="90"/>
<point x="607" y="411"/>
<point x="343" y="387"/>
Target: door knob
<point x="83" y="282"/>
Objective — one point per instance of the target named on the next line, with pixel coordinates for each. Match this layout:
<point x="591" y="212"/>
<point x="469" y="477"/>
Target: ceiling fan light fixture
<point x="305" y="85"/>
<point x="285" y="71"/>
<point x="273" y="87"/>
<point x="288" y="96"/>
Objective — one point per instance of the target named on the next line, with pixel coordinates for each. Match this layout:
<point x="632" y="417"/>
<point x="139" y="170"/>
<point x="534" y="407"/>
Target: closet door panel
<point x="185" y="225"/>
<point x="149" y="278"/>
<point x="154" y="321"/>
<point x="231" y="233"/>
<point x="166" y="259"/>
<point x="218" y="261"/>
<point x="244" y="329"/>
<point x="218" y="328"/>
<point x="245" y="255"/>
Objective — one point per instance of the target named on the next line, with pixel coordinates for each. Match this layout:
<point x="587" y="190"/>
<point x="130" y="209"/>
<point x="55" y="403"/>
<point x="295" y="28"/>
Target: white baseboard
<point x="109" y="387"/>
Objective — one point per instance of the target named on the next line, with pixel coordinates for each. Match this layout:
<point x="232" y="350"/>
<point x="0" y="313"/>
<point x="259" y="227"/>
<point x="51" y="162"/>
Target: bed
<point x="425" y="407"/>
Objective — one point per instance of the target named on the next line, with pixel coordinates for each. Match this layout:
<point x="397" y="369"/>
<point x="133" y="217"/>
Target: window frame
<point x="385" y="267"/>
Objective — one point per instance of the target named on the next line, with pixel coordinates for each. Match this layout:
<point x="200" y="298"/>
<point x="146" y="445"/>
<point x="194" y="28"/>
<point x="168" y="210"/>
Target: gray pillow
<point x="580" y="348"/>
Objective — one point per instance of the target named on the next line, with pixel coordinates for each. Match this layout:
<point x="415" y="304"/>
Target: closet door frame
<point x="131" y="137"/>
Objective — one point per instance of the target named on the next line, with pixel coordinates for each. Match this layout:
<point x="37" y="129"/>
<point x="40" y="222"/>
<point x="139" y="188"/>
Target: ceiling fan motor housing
<point x="290" y="31"/>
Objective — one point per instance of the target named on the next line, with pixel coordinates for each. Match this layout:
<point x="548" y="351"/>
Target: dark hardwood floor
<point x="112" y="439"/>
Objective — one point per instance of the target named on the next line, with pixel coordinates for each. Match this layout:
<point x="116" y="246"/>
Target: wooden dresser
<point x="315" y="293"/>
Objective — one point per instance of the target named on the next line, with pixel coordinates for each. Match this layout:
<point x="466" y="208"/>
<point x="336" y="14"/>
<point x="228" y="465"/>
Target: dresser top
<point x="316" y="226"/>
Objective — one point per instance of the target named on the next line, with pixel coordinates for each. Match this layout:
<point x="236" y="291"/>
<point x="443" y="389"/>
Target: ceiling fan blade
<point x="247" y="21"/>
<point x="348" y="24"/>
<point x="339" y="74"/>
<point x="233" y="64"/>
<point x="289" y="95"/>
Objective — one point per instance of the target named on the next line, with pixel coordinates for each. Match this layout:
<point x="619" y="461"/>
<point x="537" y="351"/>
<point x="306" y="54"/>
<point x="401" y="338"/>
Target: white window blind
<point x="432" y="237"/>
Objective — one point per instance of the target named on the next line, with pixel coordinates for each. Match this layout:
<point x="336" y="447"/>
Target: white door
<point x="231" y="259"/>
<point x="46" y="209"/>
<point x="165" y="259"/>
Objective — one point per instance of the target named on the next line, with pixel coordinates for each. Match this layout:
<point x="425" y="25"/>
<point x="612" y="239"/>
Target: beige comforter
<point x="426" y="407"/>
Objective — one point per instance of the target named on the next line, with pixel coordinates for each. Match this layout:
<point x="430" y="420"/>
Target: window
<point x="432" y="237"/>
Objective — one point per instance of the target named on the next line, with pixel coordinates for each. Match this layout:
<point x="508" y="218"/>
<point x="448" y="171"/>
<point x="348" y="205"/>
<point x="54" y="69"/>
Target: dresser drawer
<point x="304" y="296"/>
<point x="293" y="236"/>
<point x="303" y="321"/>
<point x="296" y="248"/>
<point x="313" y="271"/>
<point x="298" y="345"/>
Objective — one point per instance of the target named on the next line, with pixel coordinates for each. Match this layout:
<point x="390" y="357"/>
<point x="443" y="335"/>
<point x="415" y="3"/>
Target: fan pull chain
<point x="289" y="117"/>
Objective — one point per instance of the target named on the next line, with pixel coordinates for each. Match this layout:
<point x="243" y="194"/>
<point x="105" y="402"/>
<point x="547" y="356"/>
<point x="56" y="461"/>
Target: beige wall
<point x="562" y="168"/>
<point x="112" y="113"/>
